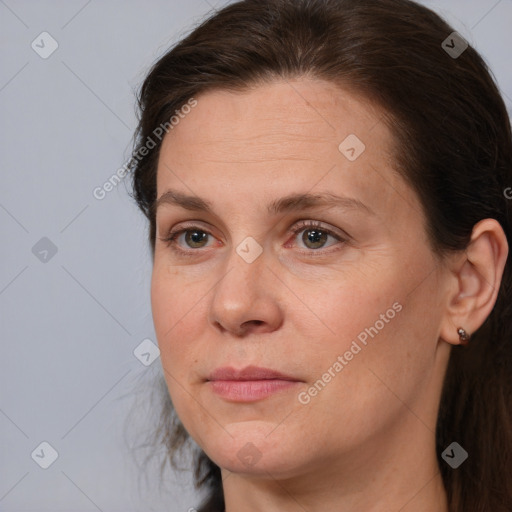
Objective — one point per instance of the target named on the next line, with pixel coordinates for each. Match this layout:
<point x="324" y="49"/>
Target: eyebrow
<point x="289" y="203"/>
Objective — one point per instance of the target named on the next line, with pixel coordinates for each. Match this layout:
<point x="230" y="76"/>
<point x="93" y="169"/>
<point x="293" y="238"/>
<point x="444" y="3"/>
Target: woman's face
<point x="339" y="291"/>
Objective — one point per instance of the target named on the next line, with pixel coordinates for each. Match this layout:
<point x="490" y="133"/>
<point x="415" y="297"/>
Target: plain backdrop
<point x="75" y="270"/>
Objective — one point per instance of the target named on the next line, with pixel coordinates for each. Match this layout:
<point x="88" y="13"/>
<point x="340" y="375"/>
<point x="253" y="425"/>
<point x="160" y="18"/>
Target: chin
<point x="252" y="451"/>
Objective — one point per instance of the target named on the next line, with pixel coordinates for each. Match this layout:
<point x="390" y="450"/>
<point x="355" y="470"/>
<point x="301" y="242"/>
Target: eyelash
<point x="171" y="241"/>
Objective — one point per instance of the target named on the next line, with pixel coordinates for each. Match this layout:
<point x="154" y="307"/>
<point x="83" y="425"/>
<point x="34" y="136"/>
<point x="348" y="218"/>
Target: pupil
<point x="315" y="236"/>
<point x="196" y="236"/>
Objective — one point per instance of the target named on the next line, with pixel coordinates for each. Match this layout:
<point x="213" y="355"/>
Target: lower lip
<point x="249" y="390"/>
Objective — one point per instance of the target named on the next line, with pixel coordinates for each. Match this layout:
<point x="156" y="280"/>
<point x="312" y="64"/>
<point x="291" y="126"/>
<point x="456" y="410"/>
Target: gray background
<point x="71" y="322"/>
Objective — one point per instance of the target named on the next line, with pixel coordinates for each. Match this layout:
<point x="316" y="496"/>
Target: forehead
<point x="273" y="116"/>
<point x="285" y="136"/>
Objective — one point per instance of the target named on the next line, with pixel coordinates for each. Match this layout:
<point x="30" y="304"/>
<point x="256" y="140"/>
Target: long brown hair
<point x="453" y="145"/>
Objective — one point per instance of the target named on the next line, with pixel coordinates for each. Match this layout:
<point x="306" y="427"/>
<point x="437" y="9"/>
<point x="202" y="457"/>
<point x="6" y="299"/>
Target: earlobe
<point x="477" y="277"/>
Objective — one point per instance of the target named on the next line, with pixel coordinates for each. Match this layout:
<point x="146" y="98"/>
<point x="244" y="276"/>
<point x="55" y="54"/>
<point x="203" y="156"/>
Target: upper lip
<point x="247" y="373"/>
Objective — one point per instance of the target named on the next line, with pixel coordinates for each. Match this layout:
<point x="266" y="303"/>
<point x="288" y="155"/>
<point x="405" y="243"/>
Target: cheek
<point x="385" y="331"/>
<point x="345" y="305"/>
<point x="175" y="316"/>
<point x="373" y="321"/>
<point x="175" y="311"/>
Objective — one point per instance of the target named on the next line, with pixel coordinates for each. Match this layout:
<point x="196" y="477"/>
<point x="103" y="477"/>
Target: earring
<point x="463" y="336"/>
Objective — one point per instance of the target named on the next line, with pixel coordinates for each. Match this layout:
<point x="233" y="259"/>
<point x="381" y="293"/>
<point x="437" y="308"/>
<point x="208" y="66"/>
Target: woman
<point x="325" y="183"/>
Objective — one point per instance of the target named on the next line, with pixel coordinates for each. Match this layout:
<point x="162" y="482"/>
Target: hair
<point x="452" y="145"/>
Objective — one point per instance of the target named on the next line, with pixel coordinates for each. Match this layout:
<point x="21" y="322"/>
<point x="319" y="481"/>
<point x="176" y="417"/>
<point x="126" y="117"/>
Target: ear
<point x="476" y="278"/>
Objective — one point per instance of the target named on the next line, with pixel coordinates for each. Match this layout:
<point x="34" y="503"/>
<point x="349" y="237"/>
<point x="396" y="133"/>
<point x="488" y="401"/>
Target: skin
<point x="366" y="441"/>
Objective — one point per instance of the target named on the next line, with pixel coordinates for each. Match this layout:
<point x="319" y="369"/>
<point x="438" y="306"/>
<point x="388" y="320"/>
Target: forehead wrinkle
<point x="266" y="147"/>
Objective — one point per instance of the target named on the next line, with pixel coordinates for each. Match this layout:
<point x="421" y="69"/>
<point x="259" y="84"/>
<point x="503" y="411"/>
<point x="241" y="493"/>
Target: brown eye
<point x="195" y="237"/>
<point x="316" y="237"/>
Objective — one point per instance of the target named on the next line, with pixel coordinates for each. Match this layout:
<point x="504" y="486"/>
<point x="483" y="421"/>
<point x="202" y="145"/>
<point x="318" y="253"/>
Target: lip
<point x="248" y="373"/>
<point x="249" y="384"/>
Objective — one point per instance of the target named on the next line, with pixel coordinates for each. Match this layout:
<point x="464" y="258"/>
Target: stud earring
<point x="463" y="336"/>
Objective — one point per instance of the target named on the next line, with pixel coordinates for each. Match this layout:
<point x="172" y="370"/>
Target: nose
<point x="246" y="299"/>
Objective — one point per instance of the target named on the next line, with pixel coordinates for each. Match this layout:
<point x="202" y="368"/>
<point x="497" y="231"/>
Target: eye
<point x="314" y="235"/>
<point x="194" y="237"/>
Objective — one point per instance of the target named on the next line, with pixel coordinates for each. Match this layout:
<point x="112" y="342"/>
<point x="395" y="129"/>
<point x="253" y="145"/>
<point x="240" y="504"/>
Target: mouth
<point x="249" y="384"/>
